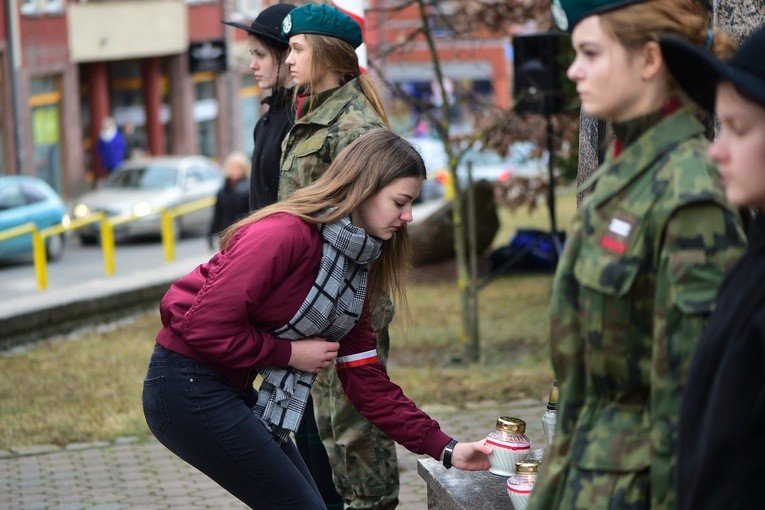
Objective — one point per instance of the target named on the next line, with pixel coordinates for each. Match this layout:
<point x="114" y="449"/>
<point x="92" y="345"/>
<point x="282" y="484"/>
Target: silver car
<point x="143" y="187"/>
<point x="520" y="162"/>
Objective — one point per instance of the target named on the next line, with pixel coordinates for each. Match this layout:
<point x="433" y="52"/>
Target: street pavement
<point x="139" y="473"/>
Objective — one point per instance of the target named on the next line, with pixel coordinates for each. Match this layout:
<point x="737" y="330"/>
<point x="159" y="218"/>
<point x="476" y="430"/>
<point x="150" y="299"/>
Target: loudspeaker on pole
<point x="539" y="66"/>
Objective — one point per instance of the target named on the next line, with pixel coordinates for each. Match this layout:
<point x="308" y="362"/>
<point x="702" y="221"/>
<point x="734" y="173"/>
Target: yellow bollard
<point x="451" y="187"/>
<point x="107" y="245"/>
<point x="40" y="259"/>
<point x="169" y="236"/>
<point x="38" y="250"/>
<point x="168" y="239"/>
<point x="444" y="176"/>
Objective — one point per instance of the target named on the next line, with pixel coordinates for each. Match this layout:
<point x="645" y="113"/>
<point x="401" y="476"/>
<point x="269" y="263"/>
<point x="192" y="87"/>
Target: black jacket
<point x="231" y="204"/>
<point x="269" y="132"/>
<point x="721" y="457"/>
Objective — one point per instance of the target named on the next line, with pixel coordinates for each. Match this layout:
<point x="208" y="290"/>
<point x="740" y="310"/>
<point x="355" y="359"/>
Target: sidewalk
<point x="139" y="473"/>
<point x="135" y="473"/>
<point x="33" y="315"/>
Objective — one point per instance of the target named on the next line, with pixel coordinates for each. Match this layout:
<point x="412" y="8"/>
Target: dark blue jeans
<point x="201" y="418"/>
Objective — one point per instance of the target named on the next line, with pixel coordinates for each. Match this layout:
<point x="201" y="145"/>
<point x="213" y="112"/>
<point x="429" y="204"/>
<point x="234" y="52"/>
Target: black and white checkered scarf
<point x="331" y="308"/>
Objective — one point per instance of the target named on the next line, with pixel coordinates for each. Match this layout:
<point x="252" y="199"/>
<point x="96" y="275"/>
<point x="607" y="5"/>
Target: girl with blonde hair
<point x="288" y="296"/>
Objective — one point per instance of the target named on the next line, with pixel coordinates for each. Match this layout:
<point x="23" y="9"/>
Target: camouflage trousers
<point x="363" y="459"/>
<point x="587" y="489"/>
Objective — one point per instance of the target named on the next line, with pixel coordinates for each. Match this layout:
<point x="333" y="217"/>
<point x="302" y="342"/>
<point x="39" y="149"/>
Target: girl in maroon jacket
<point x="288" y="295"/>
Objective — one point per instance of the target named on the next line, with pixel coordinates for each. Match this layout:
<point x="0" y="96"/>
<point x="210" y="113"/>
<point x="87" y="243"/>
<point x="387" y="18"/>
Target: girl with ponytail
<point x="336" y="104"/>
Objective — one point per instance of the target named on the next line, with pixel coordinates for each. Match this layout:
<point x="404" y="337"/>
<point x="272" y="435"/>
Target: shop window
<point x="248" y="9"/>
<point x="249" y="110"/>
<point x="206" y="113"/>
<point x="126" y="93"/>
<point x="128" y="103"/>
<point x="45" y="107"/>
<point x="54" y="6"/>
<point x="440" y="20"/>
<point x="31" y="7"/>
<point x="39" y="7"/>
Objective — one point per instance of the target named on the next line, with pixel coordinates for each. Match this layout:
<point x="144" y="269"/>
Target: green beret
<point x="322" y="20"/>
<point x="567" y="13"/>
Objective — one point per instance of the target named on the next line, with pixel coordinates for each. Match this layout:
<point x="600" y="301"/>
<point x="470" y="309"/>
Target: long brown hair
<point x="333" y="55"/>
<point x="357" y="174"/>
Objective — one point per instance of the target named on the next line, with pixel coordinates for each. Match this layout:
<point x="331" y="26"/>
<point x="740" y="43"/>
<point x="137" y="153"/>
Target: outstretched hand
<point x="471" y="456"/>
<point x="313" y="354"/>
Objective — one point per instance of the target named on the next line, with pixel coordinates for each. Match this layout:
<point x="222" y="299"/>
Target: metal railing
<point x="168" y="237"/>
<point x="38" y="250"/>
<point x="107" y="225"/>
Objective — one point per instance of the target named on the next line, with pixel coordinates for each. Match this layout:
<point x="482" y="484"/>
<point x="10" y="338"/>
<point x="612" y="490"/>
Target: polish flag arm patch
<point x="357" y="360"/>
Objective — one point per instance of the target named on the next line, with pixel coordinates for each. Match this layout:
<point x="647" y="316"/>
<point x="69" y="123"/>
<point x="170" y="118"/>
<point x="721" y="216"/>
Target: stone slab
<point x="452" y="489"/>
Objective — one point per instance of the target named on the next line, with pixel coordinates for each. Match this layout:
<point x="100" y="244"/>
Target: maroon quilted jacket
<point x="221" y="314"/>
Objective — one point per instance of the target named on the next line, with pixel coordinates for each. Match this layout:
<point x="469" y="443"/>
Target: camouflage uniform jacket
<point x="319" y="136"/>
<point x="633" y="289"/>
<point x="363" y="459"/>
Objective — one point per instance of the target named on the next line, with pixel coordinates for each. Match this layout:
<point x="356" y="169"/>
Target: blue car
<point x="25" y="199"/>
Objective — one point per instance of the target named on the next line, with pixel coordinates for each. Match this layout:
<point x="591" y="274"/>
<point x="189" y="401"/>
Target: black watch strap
<point x="448" y="453"/>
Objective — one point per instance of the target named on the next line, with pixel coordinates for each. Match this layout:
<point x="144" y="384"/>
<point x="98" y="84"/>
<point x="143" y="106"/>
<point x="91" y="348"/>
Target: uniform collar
<point x="616" y="173"/>
<point x="629" y="131"/>
<point x="305" y="100"/>
<point x="335" y="101"/>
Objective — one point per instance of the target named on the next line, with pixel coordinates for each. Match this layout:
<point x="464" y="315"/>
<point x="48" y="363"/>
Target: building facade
<point x="477" y="66"/>
<point x="174" y="72"/>
<point x="169" y="68"/>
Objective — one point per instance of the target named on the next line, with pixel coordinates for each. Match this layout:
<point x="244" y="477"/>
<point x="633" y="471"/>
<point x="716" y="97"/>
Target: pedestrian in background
<point x="641" y="265"/>
<point x="135" y="141"/>
<point x="111" y="145"/>
<point x="721" y="453"/>
<point x="232" y="203"/>
<point x="287" y="297"/>
<point x="335" y="104"/>
<point x="268" y="50"/>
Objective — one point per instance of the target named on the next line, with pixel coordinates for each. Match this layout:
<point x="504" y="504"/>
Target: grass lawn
<point x="87" y="387"/>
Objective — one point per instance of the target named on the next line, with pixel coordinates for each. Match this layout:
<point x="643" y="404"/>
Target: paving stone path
<point x="139" y="473"/>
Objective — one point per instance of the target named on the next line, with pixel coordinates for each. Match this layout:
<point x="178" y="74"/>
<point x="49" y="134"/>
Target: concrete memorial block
<point x="432" y="230"/>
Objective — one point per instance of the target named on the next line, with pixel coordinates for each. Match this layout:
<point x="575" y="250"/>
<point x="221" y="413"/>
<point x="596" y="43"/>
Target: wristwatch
<point x="448" y="453"/>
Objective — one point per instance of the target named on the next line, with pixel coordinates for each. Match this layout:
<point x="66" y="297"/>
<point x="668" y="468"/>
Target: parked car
<point x="434" y="157"/>
<point x="25" y="199"/>
<point x="490" y="166"/>
<point x="486" y="165"/>
<point x="143" y="187"/>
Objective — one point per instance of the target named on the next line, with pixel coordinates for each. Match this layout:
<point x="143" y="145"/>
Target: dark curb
<point x="65" y="318"/>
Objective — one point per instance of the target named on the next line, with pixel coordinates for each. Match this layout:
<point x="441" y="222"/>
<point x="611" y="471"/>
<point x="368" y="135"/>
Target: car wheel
<point x="88" y="240"/>
<point x="177" y="229"/>
<point x="54" y="247"/>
